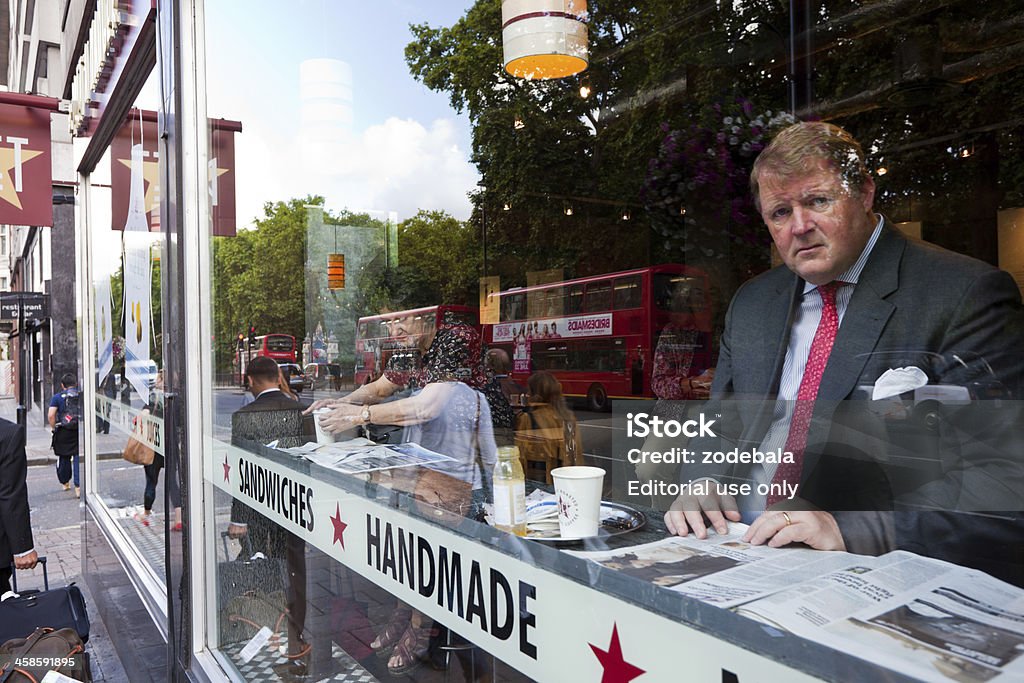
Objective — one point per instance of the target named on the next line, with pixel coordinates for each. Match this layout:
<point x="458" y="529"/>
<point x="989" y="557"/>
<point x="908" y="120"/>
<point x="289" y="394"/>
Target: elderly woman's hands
<point x="324" y="403"/>
<point x="341" y="417"/>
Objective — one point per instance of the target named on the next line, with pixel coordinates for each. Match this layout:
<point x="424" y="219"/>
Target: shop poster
<point x="104" y="329"/>
<point x="137" y="312"/>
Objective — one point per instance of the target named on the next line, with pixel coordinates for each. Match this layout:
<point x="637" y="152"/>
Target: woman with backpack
<point x="547" y="430"/>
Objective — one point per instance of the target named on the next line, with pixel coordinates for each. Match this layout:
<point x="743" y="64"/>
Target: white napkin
<point x="895" y="381"/>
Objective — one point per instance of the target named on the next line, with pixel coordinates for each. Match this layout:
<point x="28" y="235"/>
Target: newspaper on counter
<point x="722" y="570"/>
<point x="357" y="456"/>
<point x="926" y="618"/>
<point x="923" y="617"/>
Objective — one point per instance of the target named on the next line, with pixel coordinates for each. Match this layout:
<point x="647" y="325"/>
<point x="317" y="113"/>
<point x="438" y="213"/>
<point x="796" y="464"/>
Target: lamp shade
<point x="335" y="271"/>
<point x="544" y="38"/>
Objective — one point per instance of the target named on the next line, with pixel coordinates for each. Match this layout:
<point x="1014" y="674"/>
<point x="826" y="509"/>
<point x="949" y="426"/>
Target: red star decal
<point x="616" y="669"/>
<point x="227" y="469"/>
<point x="339" y="527"/>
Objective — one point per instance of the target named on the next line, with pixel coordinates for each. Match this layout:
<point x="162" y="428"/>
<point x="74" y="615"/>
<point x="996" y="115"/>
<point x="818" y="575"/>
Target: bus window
<point x="679" y="293"/>
<point x="604" y="355"/>
<point x="280" y="343"/>
<point x="599" y="297"/>
<point x="554" y="302"/>
<point x="513" y="307"/>
<point x="574" y="303"/>
<point x="548" y="356"/>
<point x="627" y="292"/>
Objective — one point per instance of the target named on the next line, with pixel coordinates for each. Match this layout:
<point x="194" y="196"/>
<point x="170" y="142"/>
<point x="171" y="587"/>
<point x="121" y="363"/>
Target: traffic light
<point x="252" y="335"/>
<point x="241" y="341"/>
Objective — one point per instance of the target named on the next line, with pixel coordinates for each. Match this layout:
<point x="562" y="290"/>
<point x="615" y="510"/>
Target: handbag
<point x="452" y="498"/>
<point x="43" y="645"/>
<point x="137" y="452"/>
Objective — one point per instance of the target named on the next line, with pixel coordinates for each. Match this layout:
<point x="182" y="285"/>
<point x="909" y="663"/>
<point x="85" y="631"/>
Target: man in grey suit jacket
<point x="897" y="301"/>
<point x="15" y="524"/>
<point x="272" y="415"/>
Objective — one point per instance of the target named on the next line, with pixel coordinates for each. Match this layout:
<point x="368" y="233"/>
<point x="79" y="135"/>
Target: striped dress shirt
<point x="805" y="323"/>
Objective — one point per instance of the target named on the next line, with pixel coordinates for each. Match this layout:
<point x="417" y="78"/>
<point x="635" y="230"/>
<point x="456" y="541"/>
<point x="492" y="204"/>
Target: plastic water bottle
<point x="509" y="492"/>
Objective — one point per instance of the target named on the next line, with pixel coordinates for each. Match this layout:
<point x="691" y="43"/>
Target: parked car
<point x="323" y="376"/>
<point x="296" y="378"/>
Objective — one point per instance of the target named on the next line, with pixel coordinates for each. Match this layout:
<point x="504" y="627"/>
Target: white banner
<point x="137" y="291"/>
<point x="144" y="426"/>
<point x="543" y="624"/>
<point x="566" y="327"/>
<point x="104" y="329"/>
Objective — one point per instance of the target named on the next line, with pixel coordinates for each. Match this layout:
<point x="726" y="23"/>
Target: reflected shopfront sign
<point x="26" y="180"/>
<point x="135" y="174"/>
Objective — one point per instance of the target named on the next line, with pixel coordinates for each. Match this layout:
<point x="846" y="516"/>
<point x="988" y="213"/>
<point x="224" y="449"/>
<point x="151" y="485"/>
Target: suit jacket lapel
<point x="777" y="324"/>
<point x="865" y="317"/>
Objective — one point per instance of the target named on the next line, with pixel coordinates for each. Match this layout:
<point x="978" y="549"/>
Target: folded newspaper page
<point x="926" y="618"/>
<point x="357" y="456"/>
<point x="722" y="570"/>
<point x="922" y="617"/>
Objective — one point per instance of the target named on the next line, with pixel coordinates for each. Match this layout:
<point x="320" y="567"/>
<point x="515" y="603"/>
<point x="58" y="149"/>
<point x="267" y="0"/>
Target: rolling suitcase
<point x="58" y="608"/>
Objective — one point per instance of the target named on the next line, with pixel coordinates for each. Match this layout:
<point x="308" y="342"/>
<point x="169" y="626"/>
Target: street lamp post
<point x="483" y="236"/>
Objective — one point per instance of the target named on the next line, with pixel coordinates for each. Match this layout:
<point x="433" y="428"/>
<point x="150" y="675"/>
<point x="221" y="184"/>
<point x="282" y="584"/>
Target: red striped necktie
<point x="817" y="359"/>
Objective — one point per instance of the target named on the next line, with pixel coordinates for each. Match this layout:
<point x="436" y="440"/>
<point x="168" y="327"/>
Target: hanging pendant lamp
<point x="544" y="39"/>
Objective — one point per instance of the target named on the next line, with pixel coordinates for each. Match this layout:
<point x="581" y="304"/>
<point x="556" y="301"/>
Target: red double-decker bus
<point x="280" y="347"/>
<point x="598" y="334"/>
<point x="378" y="337"/>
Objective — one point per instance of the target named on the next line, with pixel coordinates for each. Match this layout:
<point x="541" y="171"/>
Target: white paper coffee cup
<point x="322" y="435"/>
<point x="578" y="491"/>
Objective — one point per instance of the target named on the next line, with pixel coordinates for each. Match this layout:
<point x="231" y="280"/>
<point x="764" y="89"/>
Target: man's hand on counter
<point x="688" y="512"/>
<point x="778" y="527"/>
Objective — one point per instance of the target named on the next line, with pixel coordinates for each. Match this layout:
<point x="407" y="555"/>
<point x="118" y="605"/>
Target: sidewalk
<point x="62" y="548"/>
<point x="62" y="545"/>
<point x="37" y="436"/>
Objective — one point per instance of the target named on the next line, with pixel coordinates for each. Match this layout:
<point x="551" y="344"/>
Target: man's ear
<point x="867" y="193"/>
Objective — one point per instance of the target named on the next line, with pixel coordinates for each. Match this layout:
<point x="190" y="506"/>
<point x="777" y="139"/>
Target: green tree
<point x="258" y="276"/>
<point x="438" y="263"/>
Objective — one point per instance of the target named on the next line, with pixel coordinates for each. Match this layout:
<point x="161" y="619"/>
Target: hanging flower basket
<point x="697" y="187"/>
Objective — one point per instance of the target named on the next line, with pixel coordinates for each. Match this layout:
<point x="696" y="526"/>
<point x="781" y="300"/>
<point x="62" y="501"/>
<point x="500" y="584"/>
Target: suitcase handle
<point x="46" y="577"/>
